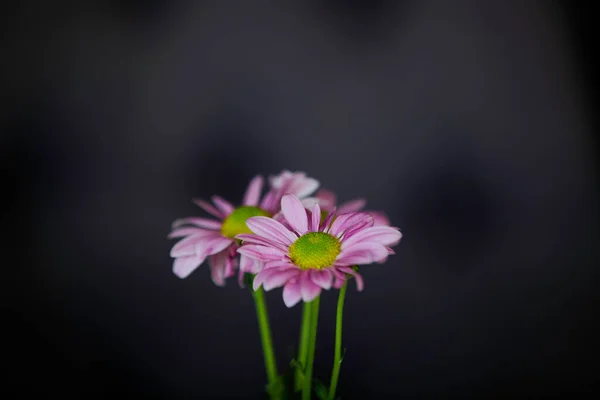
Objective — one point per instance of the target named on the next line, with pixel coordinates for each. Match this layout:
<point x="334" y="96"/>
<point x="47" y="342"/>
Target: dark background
<point x="470" y="123"/>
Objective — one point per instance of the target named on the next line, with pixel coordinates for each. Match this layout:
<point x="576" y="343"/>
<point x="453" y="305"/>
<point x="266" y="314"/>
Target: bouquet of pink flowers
<point x="293" y="239"/>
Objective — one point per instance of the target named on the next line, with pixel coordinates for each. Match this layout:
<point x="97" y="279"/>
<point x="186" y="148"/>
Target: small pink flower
<point x="328" y="202"/>
<point x="308" y="255"/>
<point x="215" y="239"/>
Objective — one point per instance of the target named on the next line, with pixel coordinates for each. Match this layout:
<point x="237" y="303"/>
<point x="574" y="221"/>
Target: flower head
<point x="306" y="254"/>
<point x="328" y="202"/>
<point x="215" y="238"/>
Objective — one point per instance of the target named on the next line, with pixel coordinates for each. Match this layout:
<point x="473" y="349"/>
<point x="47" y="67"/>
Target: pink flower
<point x="328" y="202"/>
<point x="215" y="238"/>
<point x="308" y="255"/>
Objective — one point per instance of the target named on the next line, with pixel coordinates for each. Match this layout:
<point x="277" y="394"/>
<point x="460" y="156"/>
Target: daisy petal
<point x="218" y="276"/>
<point x="323" y="278"/>
<point x="181" y="232"/>
<point x="255" y="239"/>
<point x="326" y="225"/>
<point x="309" y="202"/>
<point x="352" y="206"/>
<point x="263" y="253"/>
<point x="271" y="230"/>
<point x="304" y="186"/>
<point x="279" y="277"/>
<point x="345" y="221"/>
<point x="269" y="201"/>
<point x="253" y="192"/>
<point x="379" y="218"/>
<point x="212" y="246"/>
<point x="279" y="264"/>
<point x="201" y="222"/>
<point x="384" y="235"/>
<point x="249" y="265"/>
<point x="181" y="247"/>
<point x="295" y="213"/>
<point x="291" y="294"/>
<point x="316" y="218"/>
<point x="338" y="282"/>
<point x="209" y="208"/>
<point x="340" y="278"/>
<point x="218" y="267"/>
<point x="359" y="226"/>
<point x="326" y="198"/>
<point x="308" y="288"/>
<point x="361" y="254"/>
<point x="360" y="284"/>
<point x="184" y="266"/>
<point x="223" y="205"/>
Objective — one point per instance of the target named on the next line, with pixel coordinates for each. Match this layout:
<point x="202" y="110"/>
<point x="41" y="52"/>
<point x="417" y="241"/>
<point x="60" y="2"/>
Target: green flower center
<point x="235" y="223"/>
<point x="315" y="250"/>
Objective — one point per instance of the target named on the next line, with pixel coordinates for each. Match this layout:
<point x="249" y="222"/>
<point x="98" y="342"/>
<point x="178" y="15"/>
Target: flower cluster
<point x="296" y="237"/>
<point x="291" y="237"/>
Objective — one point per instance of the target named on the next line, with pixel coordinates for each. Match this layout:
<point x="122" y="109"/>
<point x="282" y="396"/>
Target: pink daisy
<point x="328" y="202"/>
<point x="215" y="239"/>
<point x="308" y="255"/>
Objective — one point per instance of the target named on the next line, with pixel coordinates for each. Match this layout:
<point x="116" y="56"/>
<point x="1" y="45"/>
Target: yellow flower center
<point x="315" y="250"/>
<point x="235" y="223"/>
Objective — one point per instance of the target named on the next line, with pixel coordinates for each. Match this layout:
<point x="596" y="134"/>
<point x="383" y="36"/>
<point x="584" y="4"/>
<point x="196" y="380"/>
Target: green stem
<point x="337" y="361"/>
<point x="265" y="337"/>
<point x="310" y="355"/>
<point x="304" y="336"/>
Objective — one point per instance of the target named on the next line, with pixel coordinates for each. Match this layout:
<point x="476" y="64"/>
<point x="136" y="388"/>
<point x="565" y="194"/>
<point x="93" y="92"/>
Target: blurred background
<point x="470" y="123"/>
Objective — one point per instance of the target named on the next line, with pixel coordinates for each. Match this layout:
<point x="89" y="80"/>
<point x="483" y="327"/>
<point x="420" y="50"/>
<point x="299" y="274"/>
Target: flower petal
<point x="250" y="265"/>
<point x="212" y="246"/>
<point x="361" y="254"/>
<point x="181" y="232"/>
<point x="263" y="253"/>
<point x="271" y="229"/>
<point x="295" y="213"/>
<point x="279" y="277"/>
<point x="316" y="218"/>
<point x="326" y="225"/>
<point x="384" y="235"/>
<point x="253" y="192"/>
<point x="219" y="264"/>
<point x="308" y="288"/>
<point x="270" y="201"/>
<point x="379" y="218"/>
<point x="326" y="198"/>
<point x="303" y="186"/>
<point x="223" y="205"/>
<point x="323" y="278"/>
<point x="346" y="221"/>
<point x="360" y="284"/>
<point x="291" y="294"/>
<point x="184" y="266"/>
<point x="182" y="248"/>
<point x="201" y="222"/>
<point x="263" y="275"/>
<point x="352" y="206"/>
<point x="248" y="238"/>
<point x="279" y="264"/>
<point x="359" y="225"/>
<point x="209" y="208"/>
<point x="309" y="202"/>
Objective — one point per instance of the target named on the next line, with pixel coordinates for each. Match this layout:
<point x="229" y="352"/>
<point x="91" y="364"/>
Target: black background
<point x="472" y="124"/>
